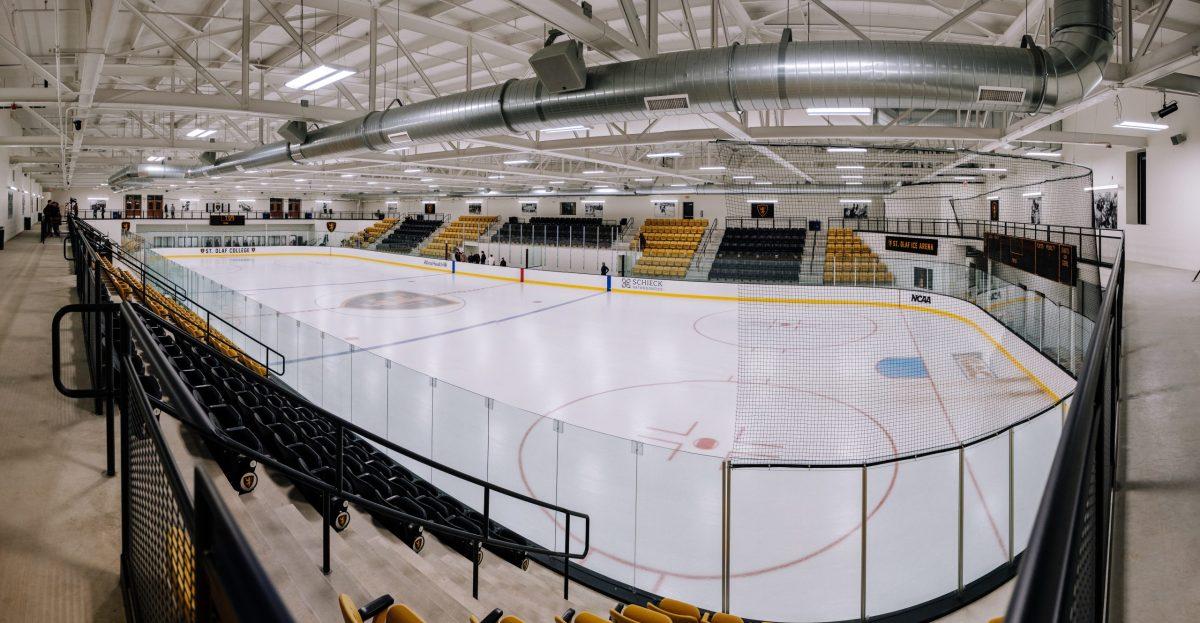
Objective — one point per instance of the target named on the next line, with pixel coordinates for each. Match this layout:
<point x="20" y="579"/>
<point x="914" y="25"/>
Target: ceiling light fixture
<point x="743" y="177"/>
<point x="845" y="150"/>
<point x="593" y="172"/>
<point x="318" y="77"/>
<point x="715" y="167"/>
<point x="1140" y="125"/>
<point x="1045" y="154"/>
<point x="993" y="169"/>
<point x="836" y="111"/>
<point x="1104" y="187"/>
<point x="850" y="167"/>
<point x="155" y="158"/>
<point x="665" y="154"/>
<point x="1033" y="194"/>
<point x="413" y="170"/>
<point x="511" y="162"/>
<point x="854" y="201"/>
<point x="568" y="128"/>
<point x="852" y="177"/>
<point x="495" y="177"/>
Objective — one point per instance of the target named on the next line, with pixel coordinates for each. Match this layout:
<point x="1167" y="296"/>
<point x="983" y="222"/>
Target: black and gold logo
<point x="124" y="225"/>
<point x="331" y="225"/>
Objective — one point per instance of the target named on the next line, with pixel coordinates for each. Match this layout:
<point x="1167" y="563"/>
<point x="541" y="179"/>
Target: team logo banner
<point x="331" y="225"/>
<point x="124" y="225"/>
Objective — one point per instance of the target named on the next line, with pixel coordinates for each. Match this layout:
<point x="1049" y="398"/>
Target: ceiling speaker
<point x="1178" y="139"/>
<point x="560" y="66"/>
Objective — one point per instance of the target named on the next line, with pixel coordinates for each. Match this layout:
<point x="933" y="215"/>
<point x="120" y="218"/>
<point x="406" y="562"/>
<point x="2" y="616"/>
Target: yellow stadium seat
<point x="677" y="611"/>
<point x="637" y="614"/>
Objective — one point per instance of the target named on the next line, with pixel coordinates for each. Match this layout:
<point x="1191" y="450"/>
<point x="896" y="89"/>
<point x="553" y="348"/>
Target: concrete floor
<point x="60" y="529"/>
<point x="1157" y="540"/>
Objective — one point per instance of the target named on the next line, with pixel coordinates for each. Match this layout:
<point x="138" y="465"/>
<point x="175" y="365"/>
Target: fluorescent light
<point x="845" y="150"/>
<point x="997" y="197"/>
<point x="643" y="179"/>
<point x="97" y="198"/>
<point x="852" y="177"/>
<point x="678" y="185"/>
<point x="1104" y="187"/>
<point x="517" y="161"/>
<point x="1141" y="125"/>
<point x="556" y="182"/>
<point x="413" y="170"/>
<point x="761" y="183"/>
<point x="1045" y="154"/>
<point x="715" y="167"/>
<point x="248" y="199"/>
<point x="309" y="77"/>
<point x="347" y="175"/>
<point x="155" y="158"/>
<point x="495" y="177"/>
<point x="835" y="111"/>
<point x="567" y="128"/>
<point x="196" y="132"/>
<point x="391" y="203"/>
<point x="1034" y="194"/>
<point x="372" y="183"/>
<point x="593" y="172"/>
<point x="605" y="190"/>
<point x="762" y="201"/>
<point x="850" y="166"/>
<point x="426" y="179"/>
<point x="207" y="133"/>
<point x="993" y="169"/>
<point x="965" y="178"/>
<point x="743" y="177"/>
<point x="664" y="154"/>
<point x="853" y="183"/>
<point x="318" y="77"/>
<point x="854" y="201"/>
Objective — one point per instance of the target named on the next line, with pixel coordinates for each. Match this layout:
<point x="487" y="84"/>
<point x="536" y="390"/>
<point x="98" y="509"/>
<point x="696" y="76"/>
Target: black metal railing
<point x="1065" y="573"/>
<point x="180" y="560"/>
<point x="122" y="327"/>
<point x="90" y="244"/>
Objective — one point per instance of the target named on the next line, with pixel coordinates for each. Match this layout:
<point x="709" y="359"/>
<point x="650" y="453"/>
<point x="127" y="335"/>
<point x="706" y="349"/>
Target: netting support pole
<point x="961" y="466"/>
<point x="1011" y="494"/>
<point x="726" y="495"/>
<point x="863" y="554"/>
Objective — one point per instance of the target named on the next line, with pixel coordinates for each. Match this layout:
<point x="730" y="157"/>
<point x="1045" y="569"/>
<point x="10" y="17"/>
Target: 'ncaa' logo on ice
<point x="922" y="298"/>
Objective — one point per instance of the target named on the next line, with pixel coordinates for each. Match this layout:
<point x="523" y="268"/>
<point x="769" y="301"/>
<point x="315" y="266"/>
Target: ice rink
<point x="848" y="376"/>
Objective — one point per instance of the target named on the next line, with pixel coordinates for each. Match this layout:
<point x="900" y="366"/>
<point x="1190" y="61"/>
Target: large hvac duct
<point x="785" y="75"/>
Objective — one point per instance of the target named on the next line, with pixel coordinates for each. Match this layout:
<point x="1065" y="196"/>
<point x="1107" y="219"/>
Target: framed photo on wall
<point x="474" y="208"/>
<point x="566" y="208"/>
<point x="855" y="210"/>
<point x="529" y="207"/>
<point x="664" y="208"/>
<point x="593" y="208"/>
<point x="1035" y="210"/>
<point x="762" y="209"/>
<point x="994" y="209"/>
<point x="430" y="207"/>
<point x="1104" y="210"/>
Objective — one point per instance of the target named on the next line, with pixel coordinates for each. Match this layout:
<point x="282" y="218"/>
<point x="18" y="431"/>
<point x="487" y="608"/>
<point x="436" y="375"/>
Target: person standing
<point x="603" y="269"/>
<point x="641" y="241"/>
<point x="55" y="218"/>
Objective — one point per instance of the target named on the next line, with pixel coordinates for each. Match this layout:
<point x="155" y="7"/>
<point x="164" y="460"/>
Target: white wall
<point x="1171" y="235"/>
<point x="309" y="202"/>
<point x="615" y="208"/>
<point x="24" y="202"/>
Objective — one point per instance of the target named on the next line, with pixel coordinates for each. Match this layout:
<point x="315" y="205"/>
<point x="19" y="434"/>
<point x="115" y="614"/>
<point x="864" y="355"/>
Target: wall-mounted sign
<point x="593" y="208"/>
<point x="226" y="219"/>
<point x="1049" y="260"/>
<point x="529" y="207"/>
<point x="923" y="246"/>
<point x="430" y="207"/>
<point x="762" y="209"/>
<point x="474" y="208"/>
<point x="566" y="208"/>
<point x="994" y="209"/>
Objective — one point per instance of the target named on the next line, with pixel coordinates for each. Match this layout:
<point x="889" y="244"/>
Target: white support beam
<point x="412" y="61"/>
<point x="182" y="53"/>
<point x="303" y="45"/>
<point x="635" y="24"/>
<point x="953" y="21"/>
<point x="569" y="18"/>
<point x="734" y="10"/>
<point x="1020" y="24"/>
<point x="521" y="145"/>
<point x="841" y="20"/>
<point x="1155" y="24"/>
<point x="33" y="65"/>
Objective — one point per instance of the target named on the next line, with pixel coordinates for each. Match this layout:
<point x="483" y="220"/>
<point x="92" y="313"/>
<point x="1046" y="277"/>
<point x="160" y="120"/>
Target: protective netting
<point x="917" y="342"/>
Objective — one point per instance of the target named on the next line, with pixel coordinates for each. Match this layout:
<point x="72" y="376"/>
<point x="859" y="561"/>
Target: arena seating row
<point x="371" y="233"/>
<point x="848" y="260"/>
<point x="279" y="424"/>
<point x="129" y="287"/>
<point x="669" y="246"/>
<point x="466" y="227"/>
<point x="407" y="236"/>
<point x="559" y="230"/>
<point x="760" y="254"/>
<point x="667" y="610"/>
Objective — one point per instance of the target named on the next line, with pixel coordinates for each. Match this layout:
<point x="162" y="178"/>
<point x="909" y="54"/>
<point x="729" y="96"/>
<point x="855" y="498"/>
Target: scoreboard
<point x="227" y="219"/>
<point x="1049" y="260"/>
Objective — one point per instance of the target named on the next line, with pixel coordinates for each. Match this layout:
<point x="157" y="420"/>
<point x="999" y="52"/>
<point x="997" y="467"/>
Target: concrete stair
<point x="813" y="273"/>
<point x="702" y="261"/>
<point x="367" y="560"/>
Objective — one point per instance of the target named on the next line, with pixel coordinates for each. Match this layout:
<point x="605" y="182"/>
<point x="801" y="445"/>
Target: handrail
<point x="188" y="411"/>
<point x="1043" y="591"/>
<point x="164" y="282"/>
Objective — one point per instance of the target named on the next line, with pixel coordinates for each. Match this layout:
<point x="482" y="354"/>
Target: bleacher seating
<point x="466" y="227"/>
<point x="670" y="245"/>
<point x="558" y="230"/>
<point x="848" y="260"/>
<point x="408" y="235"/>
<point x="772" y="254"/>
<point x="371" y="233"/>
<point x="271" y="419"/>
<point x="384" y="609"/>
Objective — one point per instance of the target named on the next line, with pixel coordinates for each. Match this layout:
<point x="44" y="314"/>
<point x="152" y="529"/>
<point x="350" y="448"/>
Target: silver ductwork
<point x="786" y="75"/>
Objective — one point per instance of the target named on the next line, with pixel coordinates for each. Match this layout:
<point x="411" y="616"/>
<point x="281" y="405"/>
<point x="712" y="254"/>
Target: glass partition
<point x="795" y="534"/>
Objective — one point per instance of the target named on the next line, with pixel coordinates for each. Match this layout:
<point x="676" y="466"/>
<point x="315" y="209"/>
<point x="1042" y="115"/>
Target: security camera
<point x="78" y="124"/>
